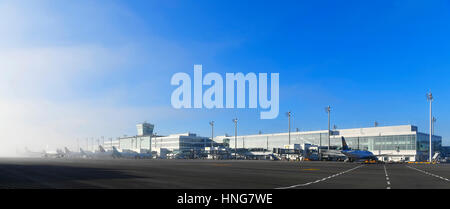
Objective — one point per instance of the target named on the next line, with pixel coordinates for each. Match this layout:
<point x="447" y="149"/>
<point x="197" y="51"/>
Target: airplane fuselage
<point x="359" y="155"/>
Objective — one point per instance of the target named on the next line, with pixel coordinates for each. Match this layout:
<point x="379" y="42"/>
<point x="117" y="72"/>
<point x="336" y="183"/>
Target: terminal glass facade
<point x="399" y="142"/>
<point x="423" y="144"/>
<point x="414" y="142"/>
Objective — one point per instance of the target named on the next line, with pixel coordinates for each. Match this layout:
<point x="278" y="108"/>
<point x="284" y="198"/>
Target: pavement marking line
<point x="428" y="173"/>
<point x="220" y="165"/>
<point x="387" y="178"/>
<point x="311" y="169"/>
<point x="320" y="180"/>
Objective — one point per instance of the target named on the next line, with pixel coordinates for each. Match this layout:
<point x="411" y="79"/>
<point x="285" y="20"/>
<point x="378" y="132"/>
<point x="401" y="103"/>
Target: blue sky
<point x="99" y="67"/>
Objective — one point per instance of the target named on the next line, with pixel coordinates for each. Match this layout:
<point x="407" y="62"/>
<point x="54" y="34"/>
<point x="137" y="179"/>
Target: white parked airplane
<point x="130" y="154"/>
<point x="101" y="153"/>
<point x="33" y="154"/>
<point x="70" y="154"/>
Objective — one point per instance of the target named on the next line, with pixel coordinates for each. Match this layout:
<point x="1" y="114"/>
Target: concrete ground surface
<point x="28" y="173"/>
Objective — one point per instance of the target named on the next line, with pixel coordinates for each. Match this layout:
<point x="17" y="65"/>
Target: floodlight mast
<point x="431" y="99"/>
<point x="212" y="135"/>
<point x="235" y="137"/>
<point x="328" y="110"/>
<point x="78" y="144"/>
<point x="289" y="118"/>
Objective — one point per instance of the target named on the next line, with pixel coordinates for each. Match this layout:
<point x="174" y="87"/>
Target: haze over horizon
<point x="80" y="69"/>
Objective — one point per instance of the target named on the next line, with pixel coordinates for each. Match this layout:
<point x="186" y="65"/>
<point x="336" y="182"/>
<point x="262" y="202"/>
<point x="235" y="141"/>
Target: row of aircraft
<point x="101" y="153"/>
<point x="349" y="154"/>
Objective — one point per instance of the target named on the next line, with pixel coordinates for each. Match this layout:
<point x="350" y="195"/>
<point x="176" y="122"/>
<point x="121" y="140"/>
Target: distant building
<point x="445" y="151"/>
<point x="180" y="142"/>
<point x="388" y="143"/>
<point x="186" y="142"/>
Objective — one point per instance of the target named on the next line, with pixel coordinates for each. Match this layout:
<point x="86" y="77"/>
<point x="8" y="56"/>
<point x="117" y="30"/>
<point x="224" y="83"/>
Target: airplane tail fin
<point x="67" y="150"/>
<point x="344" y="144"/>
<point x="101" y="148"/>
<point x="116" y="152"/>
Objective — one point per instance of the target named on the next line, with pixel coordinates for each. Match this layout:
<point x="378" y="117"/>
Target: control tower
<point x="145" y="129"/>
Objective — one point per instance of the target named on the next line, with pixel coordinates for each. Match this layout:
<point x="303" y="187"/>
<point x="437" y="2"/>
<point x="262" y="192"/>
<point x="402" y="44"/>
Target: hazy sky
<point x="77" y="69"/>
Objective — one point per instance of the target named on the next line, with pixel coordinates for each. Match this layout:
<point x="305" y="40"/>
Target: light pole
<point x="212" y="137"/>
<point x="430" y="99"/>
<point x="320" y="147"/>
<point x="235" y="137"/>
<point x="289" y="118"/>
<point x="212" y="132"/>
<point x="328" y="110"/>
<point x="358" y="143"/>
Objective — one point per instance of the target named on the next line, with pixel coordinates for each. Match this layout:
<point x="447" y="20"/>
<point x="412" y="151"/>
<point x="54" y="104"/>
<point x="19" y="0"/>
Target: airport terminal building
<point x="390" y="143"/>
